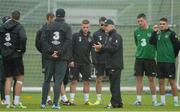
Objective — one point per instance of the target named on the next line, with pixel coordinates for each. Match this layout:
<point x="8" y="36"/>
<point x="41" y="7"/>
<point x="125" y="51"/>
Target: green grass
<point x="32" y="101"/>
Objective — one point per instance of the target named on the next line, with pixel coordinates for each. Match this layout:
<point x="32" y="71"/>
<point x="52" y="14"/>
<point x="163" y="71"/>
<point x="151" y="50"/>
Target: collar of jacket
<point x="59" y="19"/>
<point x="81" y="32"/>
<point x="165" y="30"/>
<point x="112" y="31"/>
<point x="102" y="30"/>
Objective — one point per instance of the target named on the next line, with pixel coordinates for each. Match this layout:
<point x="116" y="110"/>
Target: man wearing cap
<point x="99" y="58"/>
<point x="56" y="39"/>
<point x="114" y="61"/>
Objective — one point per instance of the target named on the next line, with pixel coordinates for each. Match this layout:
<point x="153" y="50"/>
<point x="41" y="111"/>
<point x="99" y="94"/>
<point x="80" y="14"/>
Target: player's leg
<point x="8" y="65"/>
<point x="60" y="70"/>
<point x="7" y="91"/>
<point x="172" y="81"/>
<point x="174" y="91"/>
<point x="152" y="86"/>
<point x="75" y="77"/>
<point x="64" y="99"/>
<point x="115" y="79"/>
<point x="19" y="76"/>
<point x="14" y="85"/>
<point x="86" y="76"/>
<point x="2" y="83"/>
<point x="49" y="100"/>
<point x="100" y="70"/>
<point x="151" y="72"/>
<point x="161" y="77"/>
<point x="139" y="72"/>
<point x="49" y="71"/>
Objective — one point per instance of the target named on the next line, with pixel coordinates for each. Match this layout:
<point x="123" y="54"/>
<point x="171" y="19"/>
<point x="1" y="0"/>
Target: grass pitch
<point x="32" y="101"/>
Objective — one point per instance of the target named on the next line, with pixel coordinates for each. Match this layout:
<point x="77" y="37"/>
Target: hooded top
<point x="12" y="39"/>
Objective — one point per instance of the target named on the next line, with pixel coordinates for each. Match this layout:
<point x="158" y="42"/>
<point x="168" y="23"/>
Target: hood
<point x="9" y="25"/>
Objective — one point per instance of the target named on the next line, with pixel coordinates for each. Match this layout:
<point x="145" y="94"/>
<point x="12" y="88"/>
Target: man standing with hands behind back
<point x="56" y="39"/>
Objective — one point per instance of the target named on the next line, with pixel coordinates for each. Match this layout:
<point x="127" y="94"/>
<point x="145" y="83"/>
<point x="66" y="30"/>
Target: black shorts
<point x="145" y="66"/>
<point x="100" y="69"/>
<point x="13" y="67"/>
<point x="166" y="70"/>
<point x="84" y="70"/>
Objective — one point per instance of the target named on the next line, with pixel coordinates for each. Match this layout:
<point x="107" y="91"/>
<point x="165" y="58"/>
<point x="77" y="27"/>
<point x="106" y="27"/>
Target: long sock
<point x="64" y="98"/>
<point x="86" y="97"/>
<point x="138" y="98"/>
<point x="16" y="100"/>
<point x="99" y="97"/>
<point x="175" y="98"/>
<point x="72" y="95"/>
<point x="154" y="98"/>
<point x="163" y="99"/>
<point x="7" y="99"/>
<point x="48" y="98"/>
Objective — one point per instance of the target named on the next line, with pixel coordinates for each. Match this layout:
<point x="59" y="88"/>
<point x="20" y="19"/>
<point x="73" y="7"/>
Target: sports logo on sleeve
<point x="56" y="37"/>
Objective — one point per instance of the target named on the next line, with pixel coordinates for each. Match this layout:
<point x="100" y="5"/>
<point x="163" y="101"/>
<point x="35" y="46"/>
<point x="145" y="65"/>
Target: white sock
<point x="175" y="98"/>
<point x="154" y="98"/>
<point x="72" y="95"/>
<point x="86" y="97"/>
<point x="99" y="97"/>
<point x="64" y="98"/>
<point x="163" y="99"/>
<point x="138" y="98"/>
<point x="48" y="98"/>
<point x="7" y="99"/>
<point x="16" y="100"/>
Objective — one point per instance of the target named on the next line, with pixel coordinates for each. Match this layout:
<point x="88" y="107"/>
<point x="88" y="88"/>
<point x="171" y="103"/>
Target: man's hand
<point x="97" y="46"/>
<point x="71" y="64"/>
<point x="155" y="28"/>
<point x="55" y="54"/>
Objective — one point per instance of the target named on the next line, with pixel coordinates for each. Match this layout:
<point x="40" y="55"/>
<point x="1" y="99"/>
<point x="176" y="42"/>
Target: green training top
<point x="165" y="51"/>
<point x="144" y="50"/>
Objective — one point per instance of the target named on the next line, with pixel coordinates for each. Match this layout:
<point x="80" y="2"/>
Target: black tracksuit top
<point x="13" y="38"/>
<point x="114" y="48"/>
<point x="57" y="36"/>
<point x="81" y="48"/>
<point x="99" y="57"/>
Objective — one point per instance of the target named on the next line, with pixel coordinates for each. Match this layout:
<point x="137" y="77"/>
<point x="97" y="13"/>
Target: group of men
<point x="150" y="41"/>
<point x="61" y="50"/>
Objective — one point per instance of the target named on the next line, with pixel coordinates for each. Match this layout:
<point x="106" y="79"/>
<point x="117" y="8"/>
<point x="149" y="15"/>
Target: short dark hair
<point x="50" y="14"/>
<point x="16" y="15"/>
<point x="142" y="15"/>
<point x="164" y="19"/>
<point x="85" y="21"/>
<point x="102" y="19"/>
